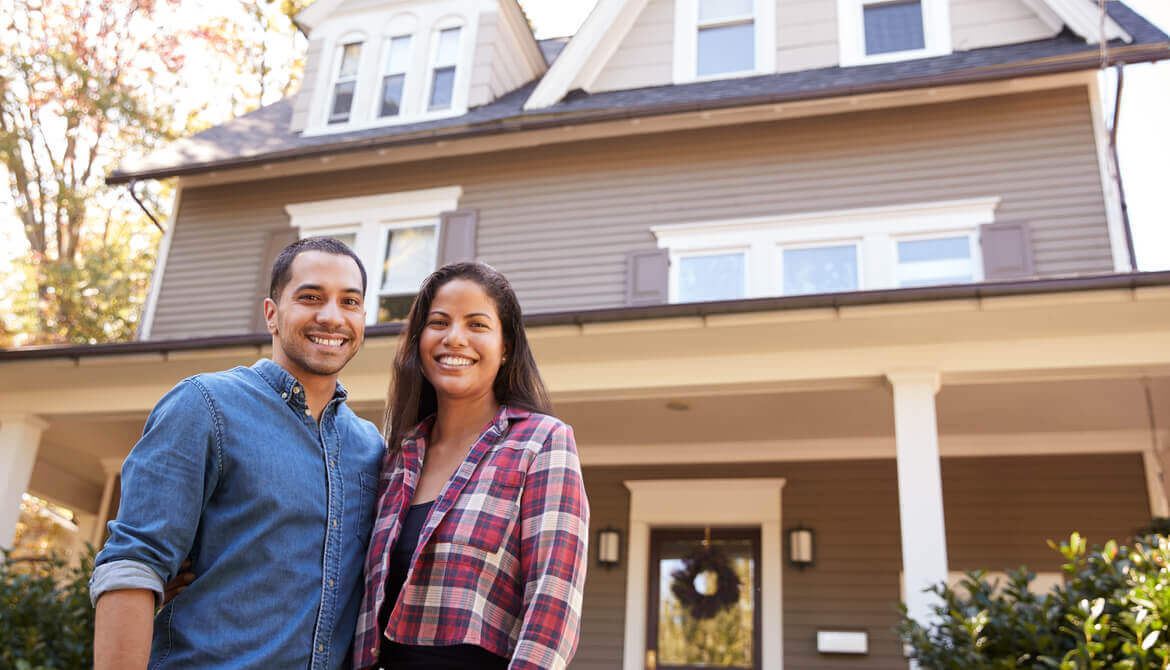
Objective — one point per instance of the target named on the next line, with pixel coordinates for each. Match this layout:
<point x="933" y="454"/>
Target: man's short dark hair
<point x="282" y="267"/>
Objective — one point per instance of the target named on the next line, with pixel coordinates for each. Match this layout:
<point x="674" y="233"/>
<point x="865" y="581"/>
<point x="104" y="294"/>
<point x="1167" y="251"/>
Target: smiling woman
<point x="480" y="487"/>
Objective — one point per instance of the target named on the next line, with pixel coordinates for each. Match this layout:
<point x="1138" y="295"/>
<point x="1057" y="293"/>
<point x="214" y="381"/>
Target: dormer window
<point x="345" y="84"/>
<point x="723" y="38"/>
<point x="446" y="58"/>
<point x="726" y="39"/>
<point x="394" y="76"/>
<point x="882" y="31"/>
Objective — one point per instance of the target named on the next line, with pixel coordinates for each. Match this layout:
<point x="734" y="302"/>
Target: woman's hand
<point x="180" y="582"/>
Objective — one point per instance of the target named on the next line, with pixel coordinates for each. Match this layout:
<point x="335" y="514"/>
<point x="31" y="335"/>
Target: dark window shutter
<point x="275" y="242"/>
<point x="457" y="235"/>
<point x="647" y="276"/>
<point x="1007" y="250"/>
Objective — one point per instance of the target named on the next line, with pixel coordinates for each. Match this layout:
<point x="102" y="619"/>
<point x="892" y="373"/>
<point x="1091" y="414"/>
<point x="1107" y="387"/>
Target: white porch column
<point x="920" y="502"/>
<point x="20" y="436"/>
<point x="111" y="467"/>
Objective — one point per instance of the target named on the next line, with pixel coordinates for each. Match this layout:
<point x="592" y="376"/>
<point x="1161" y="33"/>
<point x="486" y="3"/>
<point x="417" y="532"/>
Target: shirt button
<point x="308" y="411"/>
<point x="320" y="647"/>
<point x="331" y="582"/>
<point x="335" y="523"/>
<point x="296" y="389"/>
<point x="284" y="395"/>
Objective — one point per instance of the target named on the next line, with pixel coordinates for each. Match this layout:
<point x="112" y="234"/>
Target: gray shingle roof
<point x="264" y="135"/>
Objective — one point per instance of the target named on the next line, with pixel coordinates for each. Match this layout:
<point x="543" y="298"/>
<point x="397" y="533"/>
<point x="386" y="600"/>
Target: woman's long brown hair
<point x="411" y="398"/>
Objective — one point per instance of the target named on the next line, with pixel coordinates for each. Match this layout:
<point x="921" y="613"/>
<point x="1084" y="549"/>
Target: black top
<point x="413" y="657"/>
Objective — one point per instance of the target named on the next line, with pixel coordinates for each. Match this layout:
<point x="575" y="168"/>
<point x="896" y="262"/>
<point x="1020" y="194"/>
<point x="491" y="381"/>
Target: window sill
<point x="353" y="126"/>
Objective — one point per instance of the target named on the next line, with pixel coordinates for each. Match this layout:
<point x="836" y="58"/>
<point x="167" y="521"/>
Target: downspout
<point x="1117" y="168"/>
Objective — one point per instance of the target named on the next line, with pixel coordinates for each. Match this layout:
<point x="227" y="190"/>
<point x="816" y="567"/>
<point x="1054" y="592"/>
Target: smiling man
<point x="265" y="480"/>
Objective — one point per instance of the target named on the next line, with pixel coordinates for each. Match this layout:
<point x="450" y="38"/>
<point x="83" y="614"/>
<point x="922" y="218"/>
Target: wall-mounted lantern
<point x="609" y="547"/>
<point x="800" y="547"/>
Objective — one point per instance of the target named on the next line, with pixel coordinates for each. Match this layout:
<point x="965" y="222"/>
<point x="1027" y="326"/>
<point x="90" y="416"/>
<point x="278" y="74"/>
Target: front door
<point x="704" y="599"/>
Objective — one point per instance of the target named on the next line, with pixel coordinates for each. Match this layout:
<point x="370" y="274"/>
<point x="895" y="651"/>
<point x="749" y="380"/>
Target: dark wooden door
<point x="677" y="639"/>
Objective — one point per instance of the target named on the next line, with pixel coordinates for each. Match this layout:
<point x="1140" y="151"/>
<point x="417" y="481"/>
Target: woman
<point x="477" y="559"/>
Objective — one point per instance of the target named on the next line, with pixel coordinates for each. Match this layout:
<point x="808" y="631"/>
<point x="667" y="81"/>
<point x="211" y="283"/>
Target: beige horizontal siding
<point x="985" y="23"/>
<point x="646" y="56"/>
<point x="806" y="35"/>
<point x="560" y="219"/>
<point x="999" y="513"/>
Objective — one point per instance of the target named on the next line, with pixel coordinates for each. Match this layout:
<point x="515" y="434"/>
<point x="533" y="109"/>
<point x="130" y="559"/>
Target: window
<point x="395" y="234"/>
<point x="937" y="260"/>
<point x="881" y="31"/>
<point x="726" y="40"/>
<point x="443" y="72"/>
<point x="820" y="269"/>
<point x="394" y="76"/>
<point x="710" y="276"/>
<point x="723" y="38"/>
<point x="893" y="26"/>
<point x="407" y="258"/>
<point x="826" y="252"/>
<point x="345" y="85"/>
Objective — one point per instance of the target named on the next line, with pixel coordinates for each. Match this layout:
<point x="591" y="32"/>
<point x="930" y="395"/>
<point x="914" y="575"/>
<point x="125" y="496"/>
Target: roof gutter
<point x="620" y="314"/>
<point x="1088" y="60"/>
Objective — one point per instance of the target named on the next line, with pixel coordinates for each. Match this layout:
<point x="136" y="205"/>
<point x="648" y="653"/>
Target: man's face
<point x="319" y="319"/>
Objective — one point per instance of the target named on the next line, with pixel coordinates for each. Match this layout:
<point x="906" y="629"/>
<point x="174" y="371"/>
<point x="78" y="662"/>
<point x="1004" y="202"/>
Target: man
<point x="266" y="481"/>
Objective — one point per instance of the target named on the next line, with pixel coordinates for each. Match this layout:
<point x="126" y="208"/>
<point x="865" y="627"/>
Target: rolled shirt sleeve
<point x="166" y="481"/>
<point x="554" y="549"/>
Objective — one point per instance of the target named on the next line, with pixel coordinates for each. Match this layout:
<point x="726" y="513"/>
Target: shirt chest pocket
<point x="485" y="510"/>
<point x="367" y="495"/>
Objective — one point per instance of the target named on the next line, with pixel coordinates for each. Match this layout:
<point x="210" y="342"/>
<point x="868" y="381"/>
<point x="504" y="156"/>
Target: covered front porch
<point x="916" y="434"/>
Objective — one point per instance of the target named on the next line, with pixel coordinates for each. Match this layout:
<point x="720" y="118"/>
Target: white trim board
<point x="1081" y="16"/>
<point x="691" y="502"/>
<point x="1110" y="189"/>
<point x="146" y="322"/>
<point x="863" y="448"/>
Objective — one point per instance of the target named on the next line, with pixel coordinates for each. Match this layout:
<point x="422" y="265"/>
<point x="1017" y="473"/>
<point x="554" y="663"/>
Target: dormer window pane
<point x="721" y="10"/>
<point x="727" y="37"/>
<point x="443" y="79"/>
<point x="894" y="26"/>
<point x="394" y="77"/>
<point x="346" y="83"/>
<point x="725" y="49"/>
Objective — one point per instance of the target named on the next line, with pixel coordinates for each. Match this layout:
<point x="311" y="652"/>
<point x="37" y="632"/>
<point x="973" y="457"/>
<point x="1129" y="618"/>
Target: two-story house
<point x="843" y="286"/>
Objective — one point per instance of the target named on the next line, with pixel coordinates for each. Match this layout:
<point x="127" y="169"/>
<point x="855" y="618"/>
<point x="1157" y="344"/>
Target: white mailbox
<point x="842" y="642"/>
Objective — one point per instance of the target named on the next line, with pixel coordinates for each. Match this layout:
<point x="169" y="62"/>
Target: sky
<point x="1143" y="137"/>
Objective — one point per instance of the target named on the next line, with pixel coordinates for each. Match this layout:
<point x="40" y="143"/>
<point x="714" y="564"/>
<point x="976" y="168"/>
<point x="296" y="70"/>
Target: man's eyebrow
<point x="318" y="287"/>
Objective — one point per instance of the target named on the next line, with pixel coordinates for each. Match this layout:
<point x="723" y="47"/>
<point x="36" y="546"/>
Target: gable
<point x="377" y="63"/>
<point x="627" y="44"/>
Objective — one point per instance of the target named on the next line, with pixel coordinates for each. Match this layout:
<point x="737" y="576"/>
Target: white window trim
<point x="370" y="217"/>
<point x="335" y="77"/>
<point x="460" y="86"/>
<point x="877" y="231"/>
<point x="703" y="502"/>
<point x="405" y="108"/>
<point x="686" y="42"/>
<point x="936" y="27"/>
<point x="423" y="24"/>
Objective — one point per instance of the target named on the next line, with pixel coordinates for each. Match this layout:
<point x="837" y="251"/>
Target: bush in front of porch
<point x="1113" y="611"/>
<point x="46" y="620"/>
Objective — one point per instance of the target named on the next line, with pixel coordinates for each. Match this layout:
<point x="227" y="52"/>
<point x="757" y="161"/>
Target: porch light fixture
<point x="800" y="547"/>
<point x="609" y="547"/>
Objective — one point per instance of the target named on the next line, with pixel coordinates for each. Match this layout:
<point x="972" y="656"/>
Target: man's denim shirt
<point x="273" y="509"/>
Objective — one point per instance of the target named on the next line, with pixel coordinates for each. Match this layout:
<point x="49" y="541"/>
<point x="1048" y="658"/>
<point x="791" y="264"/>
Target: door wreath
<point x="705" y="559"/>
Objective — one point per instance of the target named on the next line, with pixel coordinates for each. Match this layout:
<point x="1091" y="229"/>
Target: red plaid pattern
<point x="501" y="559"/>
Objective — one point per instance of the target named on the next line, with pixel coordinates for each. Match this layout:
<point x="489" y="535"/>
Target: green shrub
<point x="46" y="621"/>
<point x="1112" y="612"/>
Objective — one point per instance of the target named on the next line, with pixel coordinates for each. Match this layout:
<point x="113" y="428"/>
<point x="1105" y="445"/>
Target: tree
<point x="83" y="83"/>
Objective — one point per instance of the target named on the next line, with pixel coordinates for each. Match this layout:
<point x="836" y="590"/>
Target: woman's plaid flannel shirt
<point x="501" y="559"/>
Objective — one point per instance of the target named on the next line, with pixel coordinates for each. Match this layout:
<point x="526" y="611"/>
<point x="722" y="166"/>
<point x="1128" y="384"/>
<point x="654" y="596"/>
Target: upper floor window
<point x="444" y="65"/>
<point x="394" y="76"/>
<point x="719" y="38"/>
<point x="345" y="83"/>
<point x="726" y="40"/>
<point x="827" y="252"/>
<point x="396" y="236"/>
<point x="880" y="31"/>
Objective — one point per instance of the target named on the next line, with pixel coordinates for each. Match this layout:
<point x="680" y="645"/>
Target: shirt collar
<point x="286" y="385"/>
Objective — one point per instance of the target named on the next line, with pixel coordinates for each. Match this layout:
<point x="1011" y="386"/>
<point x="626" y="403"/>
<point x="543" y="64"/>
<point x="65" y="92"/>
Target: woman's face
<point x="461" y="345"/>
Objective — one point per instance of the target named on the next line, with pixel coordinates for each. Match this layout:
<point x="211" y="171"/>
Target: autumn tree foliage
<point x="83" y="85"/>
